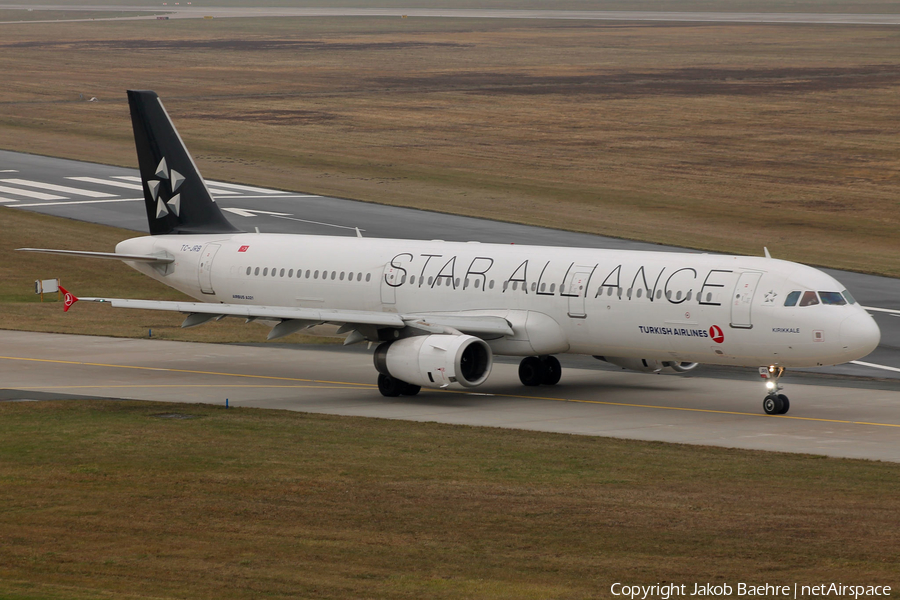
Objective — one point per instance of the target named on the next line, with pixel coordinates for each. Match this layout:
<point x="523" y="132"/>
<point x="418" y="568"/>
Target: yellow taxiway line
<point x="351" y="385"/>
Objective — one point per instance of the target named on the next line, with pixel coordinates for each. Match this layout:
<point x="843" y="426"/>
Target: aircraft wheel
<point x="531" y="371"/>
<point x="552" y="370"/>
<point x="785" y="404"/>
<point x="410" y="389"/>
<point x="390" y="386"/>
<point x="773" y="404"/>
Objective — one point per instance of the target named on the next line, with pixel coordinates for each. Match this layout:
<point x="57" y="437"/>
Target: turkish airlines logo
<point x="715" y="332"/>
<point x="243" y="248"/>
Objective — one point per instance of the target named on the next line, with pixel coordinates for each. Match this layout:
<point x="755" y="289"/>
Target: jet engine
<point x="436" y="361"/>
<point x="646" y="365"/>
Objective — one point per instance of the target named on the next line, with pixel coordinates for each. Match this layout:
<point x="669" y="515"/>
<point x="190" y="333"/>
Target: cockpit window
<point x="809" y="299"/>
<point x="832" y="298"/>
<point x="791" y="299"/>
<point x="850" y="299"/>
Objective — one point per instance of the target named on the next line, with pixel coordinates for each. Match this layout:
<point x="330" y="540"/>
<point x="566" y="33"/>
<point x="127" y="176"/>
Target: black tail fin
<point x="175" y="194"/>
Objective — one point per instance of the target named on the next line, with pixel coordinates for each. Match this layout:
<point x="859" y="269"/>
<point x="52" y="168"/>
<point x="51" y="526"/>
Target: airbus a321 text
<point x="439" y="311"/>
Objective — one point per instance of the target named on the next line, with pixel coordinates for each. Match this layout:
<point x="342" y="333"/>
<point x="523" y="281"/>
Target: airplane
<point x="437" y="312"/>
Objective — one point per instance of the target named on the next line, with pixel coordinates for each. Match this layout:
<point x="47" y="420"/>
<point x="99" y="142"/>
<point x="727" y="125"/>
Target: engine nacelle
<point x="436" y="360"/>
<point x="646" y="365"/>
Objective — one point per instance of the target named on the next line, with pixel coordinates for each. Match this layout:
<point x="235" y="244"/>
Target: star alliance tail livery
<point x="439" y="311"/>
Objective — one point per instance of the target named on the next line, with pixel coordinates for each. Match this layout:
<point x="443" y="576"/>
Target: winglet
<point x="70" y="299"/>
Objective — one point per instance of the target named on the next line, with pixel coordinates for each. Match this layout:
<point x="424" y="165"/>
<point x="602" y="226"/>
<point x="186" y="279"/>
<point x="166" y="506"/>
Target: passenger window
<point x="809" y="299"/>
<point x="834" y="298"/>
<point x="333" y="274"/>
<point x="368" y="276"/>
<point x="792" y="298"/>
<point x="248" y="270"/>
<point x="265" y="271"/>
<point x="282" y="273"/>
<point x="849" y="297"/>
<point x="342" y="276"/>
<point x="256" y="272"/>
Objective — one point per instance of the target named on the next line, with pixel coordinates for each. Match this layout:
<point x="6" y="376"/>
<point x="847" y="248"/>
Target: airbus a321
<point x="439" y="311"/>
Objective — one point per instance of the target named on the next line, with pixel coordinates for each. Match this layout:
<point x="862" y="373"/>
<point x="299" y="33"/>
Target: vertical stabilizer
<point x="175" y="195"/>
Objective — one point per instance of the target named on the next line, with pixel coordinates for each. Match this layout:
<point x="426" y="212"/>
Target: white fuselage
<point x="704" y="308"/>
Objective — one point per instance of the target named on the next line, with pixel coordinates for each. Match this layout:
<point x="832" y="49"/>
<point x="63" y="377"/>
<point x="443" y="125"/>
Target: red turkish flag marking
<point x="715" y="332"/>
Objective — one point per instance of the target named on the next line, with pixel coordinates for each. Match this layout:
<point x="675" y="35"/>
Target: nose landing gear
<point x="774" y="403"/>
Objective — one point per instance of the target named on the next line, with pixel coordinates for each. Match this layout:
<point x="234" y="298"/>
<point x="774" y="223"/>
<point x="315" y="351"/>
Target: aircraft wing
<point x="291" y="320"/>
<point x="148" y="258"/>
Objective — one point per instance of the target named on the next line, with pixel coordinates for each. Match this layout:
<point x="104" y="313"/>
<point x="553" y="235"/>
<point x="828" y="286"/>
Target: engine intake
<point x="436" y="361"/>
<point x="646" y="365"/>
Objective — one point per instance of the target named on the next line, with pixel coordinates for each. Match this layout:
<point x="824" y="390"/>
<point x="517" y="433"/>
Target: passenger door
<point x="742" y="300"/>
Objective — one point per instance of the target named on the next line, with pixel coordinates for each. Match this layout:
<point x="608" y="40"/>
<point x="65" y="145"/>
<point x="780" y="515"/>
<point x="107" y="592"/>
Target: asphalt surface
<point x="587" y="401"/>
<point x="199" y="12"/>
<point x="277" y="211"/>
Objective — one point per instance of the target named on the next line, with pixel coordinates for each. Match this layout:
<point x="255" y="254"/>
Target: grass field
<point x="22" y="310"/>
<point x="125" y="499"/>
<point x="817" y="6"/>
<point x="720" y="137"/>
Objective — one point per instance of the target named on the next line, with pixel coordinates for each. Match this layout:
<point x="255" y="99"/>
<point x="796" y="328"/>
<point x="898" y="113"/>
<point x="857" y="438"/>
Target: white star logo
<point x="173" y="204"/>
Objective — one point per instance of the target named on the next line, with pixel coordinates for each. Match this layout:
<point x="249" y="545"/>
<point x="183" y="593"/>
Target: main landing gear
<point x="392" y="387"/>
<point x="774" y="403"/>
<point x="537" y="370"/>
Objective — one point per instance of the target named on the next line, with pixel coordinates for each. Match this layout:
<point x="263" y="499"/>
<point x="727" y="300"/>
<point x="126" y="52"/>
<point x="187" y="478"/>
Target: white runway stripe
<point x="81" y="202"/>
<point x="7" y="200"/>
<point x="246" y="188"/>
<point x="218" y="192"/>
<point x="58" y="188"/>
<point x="119" y="184"/>
<point x="127" y="178"/>
<point x="874" y="366"/>
<point x="282" y="196"/>
<point x="30" y="194"/>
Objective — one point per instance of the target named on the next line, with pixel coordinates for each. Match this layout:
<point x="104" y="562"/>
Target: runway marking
<point x="285" y="195"/>
<point x="80" y="202"/>
<point x="119" y="184"/>
<point x="59" y="188"/>
<point x="218" y="192"/>
<point x="369" y="386"/>
<point x="315" y="222"/>
<point x="7" y="200"/>
<point x="890" y="311"/>
<point x="246" y="188"/>
<point x="8" y="171"/>
<point x="342" y="386"/>
<point x="30" y="194"/>
<point x="874" y="366"/>
<point x="90" y="364"/>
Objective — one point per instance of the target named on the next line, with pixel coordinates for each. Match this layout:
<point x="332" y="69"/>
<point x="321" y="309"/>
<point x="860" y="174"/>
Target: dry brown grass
<point x="106" y="499"/>
<point x="21" y="309"/>
<point x="714" y="137"/>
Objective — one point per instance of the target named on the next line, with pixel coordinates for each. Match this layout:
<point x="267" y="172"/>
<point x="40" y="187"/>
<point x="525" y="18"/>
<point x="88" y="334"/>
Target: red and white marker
<point x="715" y="332"/>
<point x="70" y="299"/>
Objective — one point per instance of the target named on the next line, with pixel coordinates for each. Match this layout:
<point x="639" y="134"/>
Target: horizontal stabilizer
<point x="147" y="258"/>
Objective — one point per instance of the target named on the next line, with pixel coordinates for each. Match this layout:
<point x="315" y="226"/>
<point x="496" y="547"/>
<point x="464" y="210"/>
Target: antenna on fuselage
<point x="358" y="232"/>
<point x="766" y="250"/>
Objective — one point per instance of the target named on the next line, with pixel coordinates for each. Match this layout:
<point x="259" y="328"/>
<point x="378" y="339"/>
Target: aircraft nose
<point x="860" y="335"/>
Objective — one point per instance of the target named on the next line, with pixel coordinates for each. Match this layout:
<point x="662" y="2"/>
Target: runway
<point x="111" y="196"/>
<point x="831" y="421"/>
<point x="198" y="12"/>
